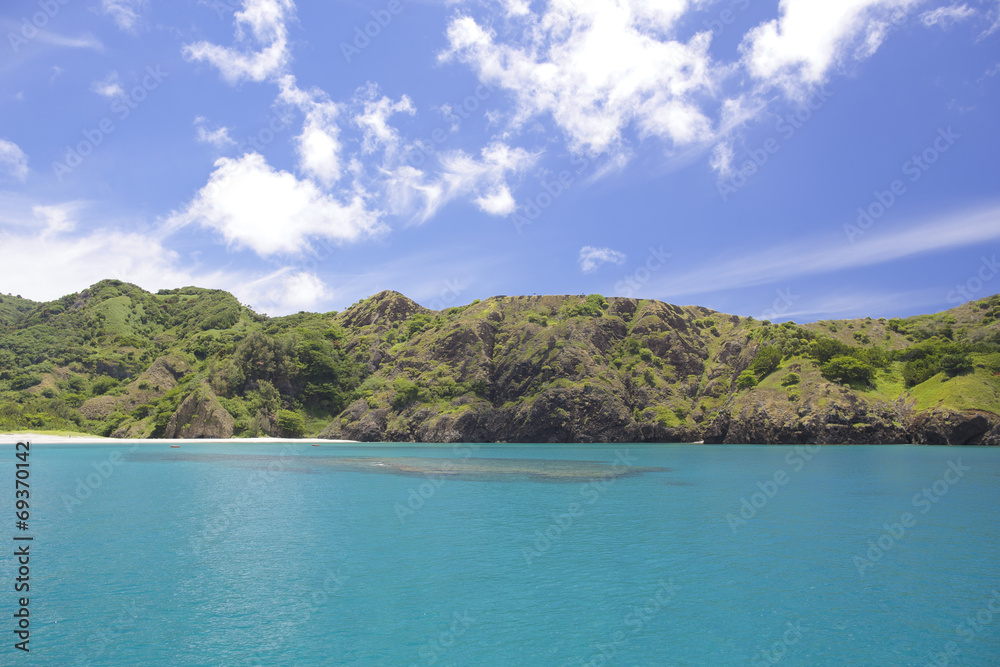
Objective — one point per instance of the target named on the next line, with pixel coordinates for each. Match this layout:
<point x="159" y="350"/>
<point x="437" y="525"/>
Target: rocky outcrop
<point x="200" y="415"/>
<point x="161" y="376"/>
<point x="947" y="427"/>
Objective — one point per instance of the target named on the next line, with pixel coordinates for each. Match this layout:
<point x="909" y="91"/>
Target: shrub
<point x="746" y="380"/>
<point x="790" y="379"/>
<point x="406" y="392"/>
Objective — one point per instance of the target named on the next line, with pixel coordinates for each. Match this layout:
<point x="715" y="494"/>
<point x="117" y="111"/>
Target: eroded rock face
<point x="946" y="427"/>
<point x="200" y="415"/>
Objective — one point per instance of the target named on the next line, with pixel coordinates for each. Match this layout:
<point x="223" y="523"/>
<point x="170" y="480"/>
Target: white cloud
<point x="13" y="161"/>
<point x="591" y="258"/>
<point x="272" y="212"/>
<point x="944" y="16"/>
<point x="818" y="256"/>
<point x="265" y="21"/>
<point x="43" y="232"/>
<point x="286" y="291"/>
<point x="109" y="86"/>
<point x="598" y="67"/>
<point x="996" y="23"/>
<point x="484" y="179"/>
<point x="124" y="12"/>
<point x="318" y="146"/>
<point x="722" y="159"/>
<point x="800" y="48"/>
<point x="56" y="218"/>
<point x="219" y="137"/>
<point x="373" y="121"/>
<point x="74" y="262"/>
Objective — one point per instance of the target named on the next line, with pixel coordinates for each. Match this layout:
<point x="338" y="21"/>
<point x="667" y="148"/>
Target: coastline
<point x="42" y="438"/>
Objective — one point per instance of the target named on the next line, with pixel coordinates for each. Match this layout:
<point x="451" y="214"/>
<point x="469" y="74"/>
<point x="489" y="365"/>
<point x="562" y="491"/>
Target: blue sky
<point x="785" y="160"/>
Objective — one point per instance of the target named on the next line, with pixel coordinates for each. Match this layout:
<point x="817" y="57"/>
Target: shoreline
<point x="45" y="439"/>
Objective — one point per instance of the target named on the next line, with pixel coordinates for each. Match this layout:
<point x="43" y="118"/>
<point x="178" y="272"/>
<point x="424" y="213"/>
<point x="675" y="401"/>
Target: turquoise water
<point x="286" y="555"/>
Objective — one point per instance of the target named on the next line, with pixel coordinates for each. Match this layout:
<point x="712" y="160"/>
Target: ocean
<point x="590" y="555"/>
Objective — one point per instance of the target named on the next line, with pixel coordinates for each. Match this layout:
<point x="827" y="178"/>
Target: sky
<point x="792" y="160"/>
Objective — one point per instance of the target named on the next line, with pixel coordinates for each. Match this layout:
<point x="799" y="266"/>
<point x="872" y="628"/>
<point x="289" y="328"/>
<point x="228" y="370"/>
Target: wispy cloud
<point x="124" y="12"/>
<point x="109" y="86"/>
<point x="819" y="255"/>
<point x="13" y="161"/>
<point x="591" y="258"/>
<point x="944" y="16"/>
<point x="219" y="137"/>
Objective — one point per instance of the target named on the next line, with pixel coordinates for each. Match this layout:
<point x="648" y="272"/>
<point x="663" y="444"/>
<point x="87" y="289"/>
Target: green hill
<point x="117" y="360"/>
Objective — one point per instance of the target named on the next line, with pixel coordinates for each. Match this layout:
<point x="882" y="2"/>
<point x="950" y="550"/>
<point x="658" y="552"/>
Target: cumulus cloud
<point x="944" y="16"/>
<point x="13" y="161"/>
<point x="286" y="290"/>
<point x="591" y="258"/>
<point x="124" y="12"/>
<point x="272" y="212"/>
<point x="800" y="48"/>
<point x="109" y="86"/>
<point x="73" y="261"/>
<point x="596" y="67"/>
<point x="261" y="25"/>
<point x="318" y="146"/>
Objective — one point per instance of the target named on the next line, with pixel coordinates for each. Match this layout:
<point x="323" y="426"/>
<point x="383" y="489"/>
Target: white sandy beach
<point x="42" y="438"/>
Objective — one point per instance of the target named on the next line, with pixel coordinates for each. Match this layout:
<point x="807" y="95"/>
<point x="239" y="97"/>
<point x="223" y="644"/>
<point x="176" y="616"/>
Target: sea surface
<point x="293" y="554"/>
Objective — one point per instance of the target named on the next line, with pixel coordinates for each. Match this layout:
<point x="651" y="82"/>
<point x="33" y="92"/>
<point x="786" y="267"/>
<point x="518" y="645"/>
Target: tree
<point x="292" y="424"/>
<point x="848" y="370"/>
<point x="767" y="360"/>
<point x="955" y="364"/>
<point x="825" y="349"/>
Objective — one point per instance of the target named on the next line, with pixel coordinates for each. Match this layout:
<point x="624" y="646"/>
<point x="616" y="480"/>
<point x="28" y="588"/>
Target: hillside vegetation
<point x="115" y="360"/>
